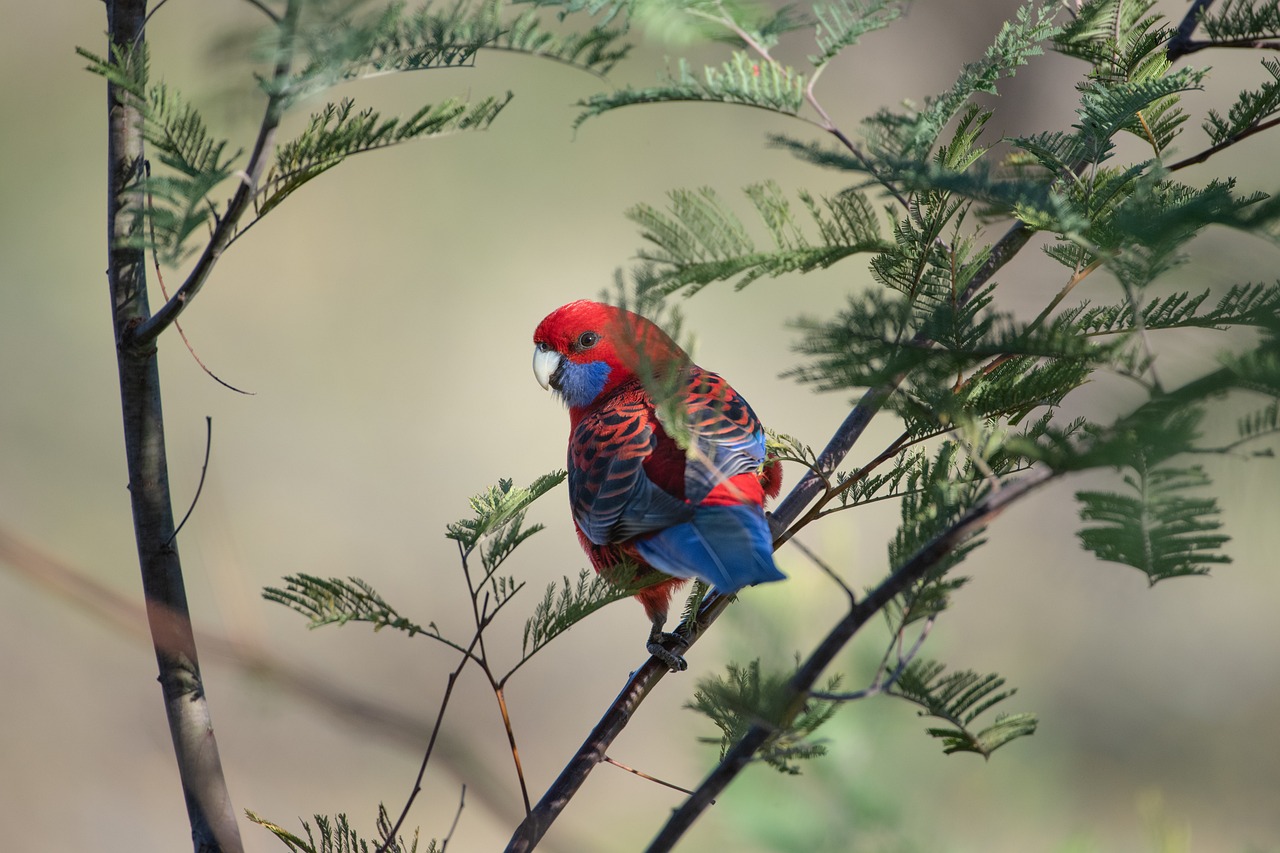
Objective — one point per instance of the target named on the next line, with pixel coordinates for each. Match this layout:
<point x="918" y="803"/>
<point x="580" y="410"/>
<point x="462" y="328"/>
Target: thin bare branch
<point x="644" y="775"/>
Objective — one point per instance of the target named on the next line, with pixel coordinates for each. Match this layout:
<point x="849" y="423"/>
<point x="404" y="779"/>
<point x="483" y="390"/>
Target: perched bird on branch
<point x="667" y="462"/>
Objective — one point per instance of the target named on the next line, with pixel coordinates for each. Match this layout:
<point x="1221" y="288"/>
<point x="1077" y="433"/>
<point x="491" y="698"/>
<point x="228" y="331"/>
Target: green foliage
<point x="562" y="608"/>
<point x="1234" y="20"/>
<point x="745" y="697"/>
<point x="939" y="492"/>
<point x="316" y="46"/>
<point x="911" y="136"/>
<point x="335" y="45"/>
<point x="336" y="836"/>
<point x="699" y="240"/>
<point x="1158" y="529"/>
<point x="1251" y="108"/>
<point x="497" y="512"/>
<point x="195" y="161"/>
<point x="959" y="698"/>
<point x="334" y="601"/>
<point x="340" y="130"/>
<point x="843" y="22"/>
<point x="754" y="82"/>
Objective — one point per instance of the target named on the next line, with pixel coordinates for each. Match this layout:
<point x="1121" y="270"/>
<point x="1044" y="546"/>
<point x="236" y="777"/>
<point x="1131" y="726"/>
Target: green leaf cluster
<point x="746" y="696"/>
<point x="1156" y="527"/>
<point x="959" y="698"/>
<point x="335" y="835"/>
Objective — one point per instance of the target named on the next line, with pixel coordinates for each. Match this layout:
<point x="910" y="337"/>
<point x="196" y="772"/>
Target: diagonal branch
<point x="144" y="334"/>
<point x="801" y="684"/>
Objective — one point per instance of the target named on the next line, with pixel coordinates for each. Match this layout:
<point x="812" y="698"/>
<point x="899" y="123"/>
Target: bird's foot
<point x="674" y="662"/>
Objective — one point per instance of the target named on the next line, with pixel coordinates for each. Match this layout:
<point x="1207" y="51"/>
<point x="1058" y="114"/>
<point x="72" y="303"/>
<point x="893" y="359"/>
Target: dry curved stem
<point x="155" y="263"/>
<point x="204" y="469"/>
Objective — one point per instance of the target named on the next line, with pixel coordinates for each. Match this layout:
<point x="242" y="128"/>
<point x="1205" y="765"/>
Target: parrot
<point x="634" y="493"/>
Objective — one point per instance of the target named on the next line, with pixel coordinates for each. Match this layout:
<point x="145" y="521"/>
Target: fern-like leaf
<point x="176" y="199"/>
<point x="335" y="835"/>
<point x="1251" y="108"/>
<point x="497" y="507"/>
<point x="743" y="79"/>
<point x="842" y="22"/>
<point x="1157" y="528"/>
<point x="959" y="698"/>
<point x="340" y="130"/>
<point x="699" y="240"/>
<point x="745" y="697"/>
<point x="334" y="601"/>
<point x="562" y="608"/>
<point x="1242" y="20"/>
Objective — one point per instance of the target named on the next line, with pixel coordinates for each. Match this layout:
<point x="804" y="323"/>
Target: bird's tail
<point x="729" y="547"/>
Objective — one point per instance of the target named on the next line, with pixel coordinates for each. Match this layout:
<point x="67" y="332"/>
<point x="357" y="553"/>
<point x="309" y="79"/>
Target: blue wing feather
<point x="729" y="547"/>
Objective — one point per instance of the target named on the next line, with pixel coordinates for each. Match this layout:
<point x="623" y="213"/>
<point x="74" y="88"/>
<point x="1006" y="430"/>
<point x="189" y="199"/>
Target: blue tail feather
<point x="729" y="547"/>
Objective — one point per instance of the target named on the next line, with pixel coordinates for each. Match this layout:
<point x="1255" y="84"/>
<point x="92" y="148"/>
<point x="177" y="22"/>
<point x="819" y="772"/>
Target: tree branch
<point x="213" y="820"/>
<point x="145" y="333"/>
<point x="801" y="684"/>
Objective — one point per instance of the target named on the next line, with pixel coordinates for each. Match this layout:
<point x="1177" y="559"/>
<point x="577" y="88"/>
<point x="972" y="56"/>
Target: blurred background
<point x="382" y="320"/>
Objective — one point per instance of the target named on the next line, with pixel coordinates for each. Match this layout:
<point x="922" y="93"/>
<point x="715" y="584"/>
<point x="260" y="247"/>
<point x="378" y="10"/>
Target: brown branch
<point x="1224" y="144"/>
<point x="1186" y="28"/>
<point x="801" y="684"/>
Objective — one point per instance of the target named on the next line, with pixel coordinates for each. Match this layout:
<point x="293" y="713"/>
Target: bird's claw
<point x="673" y="661"/>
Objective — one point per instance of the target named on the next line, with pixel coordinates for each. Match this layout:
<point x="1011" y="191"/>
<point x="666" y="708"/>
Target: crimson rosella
<point x="634" y="493"/>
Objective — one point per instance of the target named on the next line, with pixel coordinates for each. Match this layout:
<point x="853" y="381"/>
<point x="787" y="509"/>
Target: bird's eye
<point x="587" y="340"/>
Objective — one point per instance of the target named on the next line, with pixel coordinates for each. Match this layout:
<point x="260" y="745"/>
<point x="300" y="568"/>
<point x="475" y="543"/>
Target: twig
<point x="1223" y="145"/>
<point x="204" y="469"/>
<point x="644" y="775"/>
<point x="155" y="263"/>
<point x="878" y="686"/>
<point x="1186" y="28"/>
<point x="802" y="682"/>
<point x="822" y="564"/>
<point x="145" y="333"/>
<point x="481" y="622"/>
<point x="389" y="838"/>
<point x="462" y="801"/>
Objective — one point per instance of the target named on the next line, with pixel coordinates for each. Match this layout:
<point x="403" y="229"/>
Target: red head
<point x="586" y="349"/>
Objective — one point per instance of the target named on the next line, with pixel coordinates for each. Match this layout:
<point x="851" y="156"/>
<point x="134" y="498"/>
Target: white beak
<point x="545" y="364"/>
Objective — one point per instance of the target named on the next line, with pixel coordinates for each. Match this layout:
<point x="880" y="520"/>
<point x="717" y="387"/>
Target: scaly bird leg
<point x="656" y="647"/>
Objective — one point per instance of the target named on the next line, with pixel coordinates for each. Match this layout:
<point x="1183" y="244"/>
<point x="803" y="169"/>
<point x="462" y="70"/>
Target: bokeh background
<point x="382" y="319"/>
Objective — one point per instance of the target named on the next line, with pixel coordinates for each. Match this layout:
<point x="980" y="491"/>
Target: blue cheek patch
<point x="580" y="384"/>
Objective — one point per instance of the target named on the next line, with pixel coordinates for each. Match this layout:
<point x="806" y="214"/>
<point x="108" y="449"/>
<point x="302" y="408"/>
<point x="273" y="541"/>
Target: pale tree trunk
<point x="213" y="820"/>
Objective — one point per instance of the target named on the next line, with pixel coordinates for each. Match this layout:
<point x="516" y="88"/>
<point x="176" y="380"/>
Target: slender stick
<point x="209" y="809"/>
